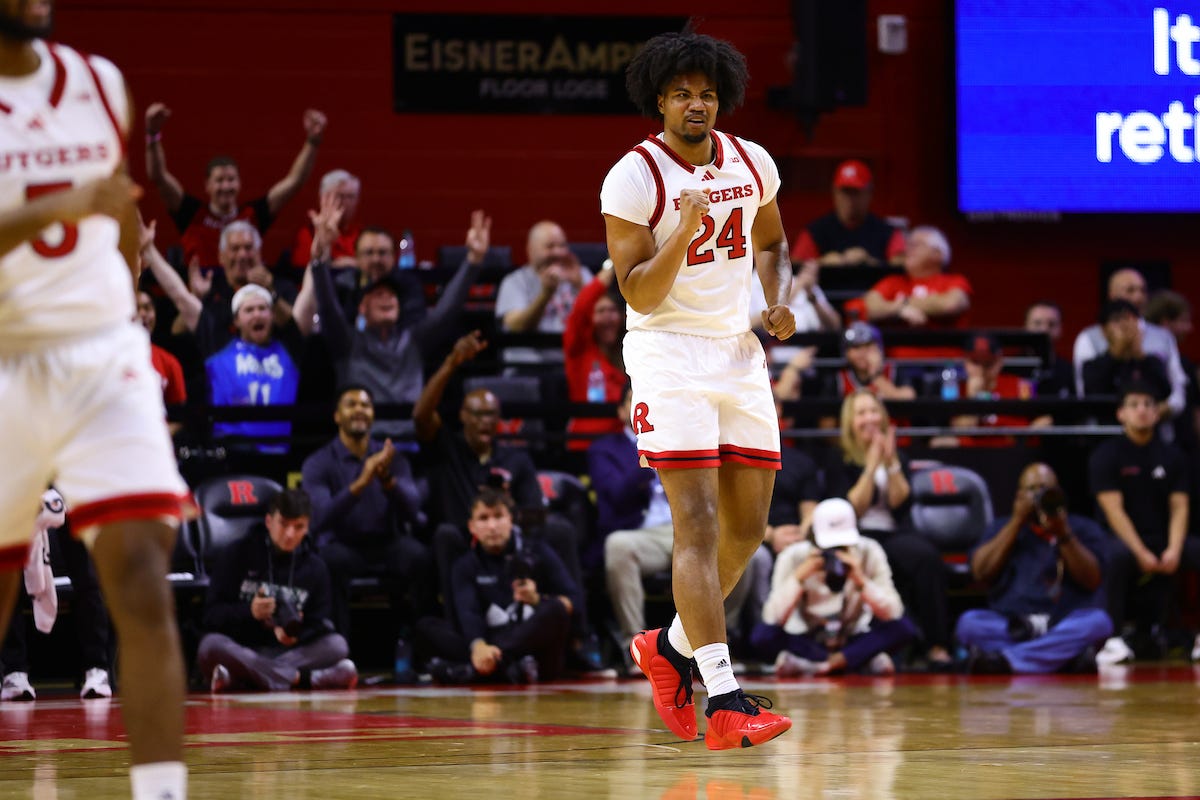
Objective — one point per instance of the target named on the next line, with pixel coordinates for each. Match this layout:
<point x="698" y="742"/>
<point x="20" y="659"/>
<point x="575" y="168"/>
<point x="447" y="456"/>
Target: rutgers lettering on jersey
<point x="61" y="127"/>
<point x="711" y="293"/>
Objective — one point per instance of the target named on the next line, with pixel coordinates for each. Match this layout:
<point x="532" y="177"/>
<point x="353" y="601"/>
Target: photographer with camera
<point x="1044" y="571"/>
<point x="832" y="607"/>
<point x="513" y="601"/>
<point x="267" y="611"/>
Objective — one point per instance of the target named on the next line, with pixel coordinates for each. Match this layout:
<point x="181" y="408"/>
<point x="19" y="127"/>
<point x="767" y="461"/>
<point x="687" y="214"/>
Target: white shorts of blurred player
<point x="86" y="415"/>
<point x="701" y="402"/>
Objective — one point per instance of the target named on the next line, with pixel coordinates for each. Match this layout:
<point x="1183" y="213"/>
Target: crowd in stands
<point x="444" y="499"/>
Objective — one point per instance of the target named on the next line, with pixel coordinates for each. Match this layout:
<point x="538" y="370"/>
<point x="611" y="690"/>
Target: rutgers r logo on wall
<point x="641" y="421"/>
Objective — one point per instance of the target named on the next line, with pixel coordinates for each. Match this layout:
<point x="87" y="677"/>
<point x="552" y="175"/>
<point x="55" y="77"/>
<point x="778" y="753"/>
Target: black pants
<point x="543" y="636"/>
<point x="87" y="610"/>
<point x="404" y="565"/>
<point x="1124" y="582"/>
<point x="920" y="577"/>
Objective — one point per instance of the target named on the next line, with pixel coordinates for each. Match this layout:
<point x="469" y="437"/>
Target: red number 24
<point x="730" y="237"/>
<point x="70" y="233"/>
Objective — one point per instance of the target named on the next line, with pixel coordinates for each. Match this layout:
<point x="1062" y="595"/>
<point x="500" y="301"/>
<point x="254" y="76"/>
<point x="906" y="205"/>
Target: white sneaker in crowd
<point x="342" y="675"/>
<point x="789" y="665"/>
<point x="1196" y="649"/>
<point x="16" y="686"/>
<point x="95" y="684"/>
<point x="881" y="664"/>
<point x="1115" y="651"/>
<point x="220" y="679"/>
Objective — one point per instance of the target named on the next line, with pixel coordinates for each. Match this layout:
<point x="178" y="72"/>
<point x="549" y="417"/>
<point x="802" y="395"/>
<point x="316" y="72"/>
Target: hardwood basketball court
<point x="1128" y="733"/>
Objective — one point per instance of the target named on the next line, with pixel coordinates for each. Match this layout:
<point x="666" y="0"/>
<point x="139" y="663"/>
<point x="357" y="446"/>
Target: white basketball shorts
<point x="700" y="402"/>
<point x="86" y="415"/>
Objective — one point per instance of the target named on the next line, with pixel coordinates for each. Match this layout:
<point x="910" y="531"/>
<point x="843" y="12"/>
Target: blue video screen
<point x="1084" y="107"/>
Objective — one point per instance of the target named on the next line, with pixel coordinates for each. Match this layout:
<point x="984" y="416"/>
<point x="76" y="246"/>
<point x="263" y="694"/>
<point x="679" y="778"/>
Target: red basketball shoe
<point x="670" y="675"/>
<point x="737" y="719"/>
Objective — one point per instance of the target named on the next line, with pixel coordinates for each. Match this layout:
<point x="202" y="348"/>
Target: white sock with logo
<point x="678" y="638"/>
<point x="716" y="669"/>
<point x="161" y="780"/>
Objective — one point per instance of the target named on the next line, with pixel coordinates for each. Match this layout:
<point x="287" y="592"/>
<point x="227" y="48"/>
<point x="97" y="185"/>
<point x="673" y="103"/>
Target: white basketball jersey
<point x="711" y="294"/>
<point x="61" y="127"/>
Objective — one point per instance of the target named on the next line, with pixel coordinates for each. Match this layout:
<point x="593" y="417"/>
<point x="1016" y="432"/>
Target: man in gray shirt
<point x="539" y="295"/>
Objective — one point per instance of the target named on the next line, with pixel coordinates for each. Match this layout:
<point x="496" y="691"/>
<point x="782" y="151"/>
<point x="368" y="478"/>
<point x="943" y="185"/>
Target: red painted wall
<point x="238" y="73"/>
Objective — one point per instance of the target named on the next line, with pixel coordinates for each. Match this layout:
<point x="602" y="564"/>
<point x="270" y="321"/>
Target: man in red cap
<point x="850" y="235"/>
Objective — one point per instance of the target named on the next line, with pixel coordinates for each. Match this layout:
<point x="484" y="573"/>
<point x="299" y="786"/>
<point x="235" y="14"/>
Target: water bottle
<point x="950" y="382"/>
<point x="595" y="385"/>
<point x="402" y="671"/>
<point x="408" y="251"/>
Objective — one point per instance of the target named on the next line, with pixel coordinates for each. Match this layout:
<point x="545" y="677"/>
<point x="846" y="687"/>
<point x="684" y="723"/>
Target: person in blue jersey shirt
<point x="255" y="369"/>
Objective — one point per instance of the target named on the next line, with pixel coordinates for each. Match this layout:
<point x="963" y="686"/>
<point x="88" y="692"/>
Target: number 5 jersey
<point x="60" y="127"/>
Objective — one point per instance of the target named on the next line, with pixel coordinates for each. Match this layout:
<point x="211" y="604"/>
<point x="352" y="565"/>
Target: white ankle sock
<point x="678" y="638"/>
<point x="716" y="669"/>
<point x="161" y="780"/>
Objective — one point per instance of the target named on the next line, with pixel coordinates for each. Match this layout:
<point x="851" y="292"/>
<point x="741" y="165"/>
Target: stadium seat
<point x="452" y="255"/>
<point x="590" y="254"/>
<point x="230" y="506"/>
<point x="566" y="494"/>
<point x="951" y="506"/>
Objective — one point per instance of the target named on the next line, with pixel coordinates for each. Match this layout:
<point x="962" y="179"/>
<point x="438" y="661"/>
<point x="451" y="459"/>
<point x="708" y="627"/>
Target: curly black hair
<point x="670" y="54"/>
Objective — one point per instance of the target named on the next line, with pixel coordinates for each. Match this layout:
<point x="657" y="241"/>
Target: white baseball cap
<point x="246" y="292"/>
<point x="835" y="524"/>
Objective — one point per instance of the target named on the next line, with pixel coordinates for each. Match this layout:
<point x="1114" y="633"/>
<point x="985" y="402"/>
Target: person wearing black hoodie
<point x="267" y="611"/>
<point x="513" y="603"/>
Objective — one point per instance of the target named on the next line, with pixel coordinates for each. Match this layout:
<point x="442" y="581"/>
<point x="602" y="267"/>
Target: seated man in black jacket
<point x="513" y="603"/>
<point x="267" y="610"/>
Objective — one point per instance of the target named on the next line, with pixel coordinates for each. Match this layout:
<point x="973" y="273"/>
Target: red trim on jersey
<point x="661" y="190"/>
<point x="60" y="77"/>
<point x="682" y="459"/>
<point x="107" y="106"/>
<point x="767" y="459"/>
<point x="719" y="149"/>
<point x="133" y="507"/>
<point x="757" y="179"/>
<point x="691" y="168"/>
<point x="13" y="557"/>
<point x="5" y="108"/>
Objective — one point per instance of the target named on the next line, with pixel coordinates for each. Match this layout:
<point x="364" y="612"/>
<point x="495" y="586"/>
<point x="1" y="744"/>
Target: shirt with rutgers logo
<point x="711" y="294"/>
<point x="60" y="127"/>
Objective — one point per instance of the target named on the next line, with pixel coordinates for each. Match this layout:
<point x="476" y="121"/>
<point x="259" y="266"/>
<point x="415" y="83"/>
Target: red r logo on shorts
<point x="640" y="423"/>
<point x="241" y="493"/>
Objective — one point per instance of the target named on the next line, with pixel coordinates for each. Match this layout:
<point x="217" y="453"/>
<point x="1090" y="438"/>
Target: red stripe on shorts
<point x="767" y="459"/>
<point x="13" y="557"/>
<point x="682" y="459"/>
<point x="132" y="507"/>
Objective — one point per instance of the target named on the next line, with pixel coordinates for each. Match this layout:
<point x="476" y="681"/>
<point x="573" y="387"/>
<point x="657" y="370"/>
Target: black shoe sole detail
<point x="746" y="742"/>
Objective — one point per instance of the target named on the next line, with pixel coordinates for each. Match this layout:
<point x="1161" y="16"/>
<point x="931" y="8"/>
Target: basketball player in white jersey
<point x="82" y="407"/>
<point x="691" y="218"/>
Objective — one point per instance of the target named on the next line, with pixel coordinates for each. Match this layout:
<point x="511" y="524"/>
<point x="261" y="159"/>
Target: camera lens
<point x="1051" y="500"/>
<point x="835" y="571"/>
